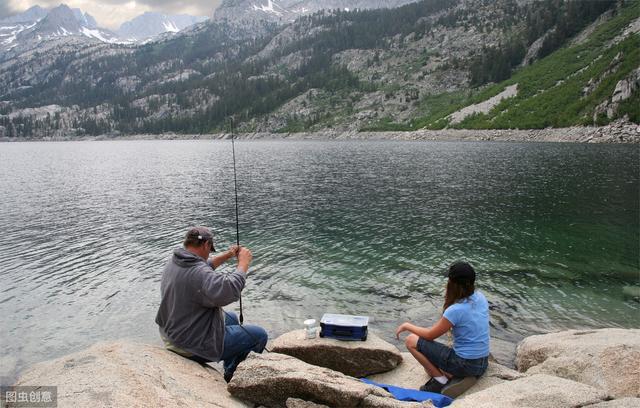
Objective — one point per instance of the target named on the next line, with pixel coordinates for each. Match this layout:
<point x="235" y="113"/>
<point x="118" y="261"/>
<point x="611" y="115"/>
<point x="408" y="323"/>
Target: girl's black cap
<point x="462" y="270"/>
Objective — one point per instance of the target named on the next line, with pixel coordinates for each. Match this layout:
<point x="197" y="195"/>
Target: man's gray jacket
<point x="193" y="294"/>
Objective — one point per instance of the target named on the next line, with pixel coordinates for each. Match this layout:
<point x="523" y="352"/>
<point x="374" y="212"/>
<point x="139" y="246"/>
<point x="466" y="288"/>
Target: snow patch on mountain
<point x="170" y="26"/>
<point x="99" y="35"/>
<point x="9" y="34"/>
<point x="285" y="11"/>
<point x="269" y="8"/>
<point x="149" y="25"/>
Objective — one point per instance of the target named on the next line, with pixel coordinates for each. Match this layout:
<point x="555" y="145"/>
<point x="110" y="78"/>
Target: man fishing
<point x="191" y="319"/>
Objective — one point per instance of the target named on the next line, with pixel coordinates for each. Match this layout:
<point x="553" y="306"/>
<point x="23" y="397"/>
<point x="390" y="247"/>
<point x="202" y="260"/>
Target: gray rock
<point x="618" y="403"/>
<point x="355" y="358"/>
<point x="408" y="374"/>
<point x="540" y="391"/>
<point x="123" y="374"/>
<point x="298" y="403"/>
<point x="495" y="374"/>
<point x="631" y="292"/>
<point x="625" y="87"/>
<point x="271" y="379"/>
<point x="607" y="358"/>
<point x="503" y="351"/>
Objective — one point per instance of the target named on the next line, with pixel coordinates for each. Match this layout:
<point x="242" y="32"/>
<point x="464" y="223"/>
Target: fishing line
<point x="235" y="187"/>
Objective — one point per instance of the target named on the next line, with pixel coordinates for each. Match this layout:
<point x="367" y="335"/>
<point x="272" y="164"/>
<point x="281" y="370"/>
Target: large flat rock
<point x="605" y="358"/>
<point x="618" y="403"/>
<point x="536" y="391"/>
<point x="354" y="358"/>
<point x="271" y="379"/>
<point x="408" y="374"/>
<point x="495" y="374"/>
<point x="124" y="374"/>
<point x="298" y="403"/>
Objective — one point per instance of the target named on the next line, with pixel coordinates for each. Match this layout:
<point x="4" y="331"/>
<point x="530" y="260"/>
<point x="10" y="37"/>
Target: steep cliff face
<point x="385" y="69"/>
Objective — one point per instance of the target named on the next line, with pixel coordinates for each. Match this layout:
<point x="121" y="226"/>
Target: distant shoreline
<point x="617" y="132"/>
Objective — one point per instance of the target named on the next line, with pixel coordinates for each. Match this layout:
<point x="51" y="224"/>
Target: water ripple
<point x="363" y="228"/>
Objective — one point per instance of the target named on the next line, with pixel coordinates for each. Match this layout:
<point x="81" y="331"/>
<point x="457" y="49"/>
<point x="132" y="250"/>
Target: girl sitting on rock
<point x="466" y="314"/>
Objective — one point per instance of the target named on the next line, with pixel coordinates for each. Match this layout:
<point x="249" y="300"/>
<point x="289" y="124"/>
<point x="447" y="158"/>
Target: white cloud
<point x="112" y="13"/>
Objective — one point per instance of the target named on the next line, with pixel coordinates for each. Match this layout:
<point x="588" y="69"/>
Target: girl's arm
<point x="427" y="333"/>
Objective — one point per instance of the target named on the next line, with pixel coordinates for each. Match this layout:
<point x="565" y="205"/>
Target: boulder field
<point x="588" y="368"/>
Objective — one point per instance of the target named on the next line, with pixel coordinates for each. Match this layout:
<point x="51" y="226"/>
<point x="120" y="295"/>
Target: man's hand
<point x="233" y="250"/>
<point x="244" y="259"/>
<point x="216" y="261"/>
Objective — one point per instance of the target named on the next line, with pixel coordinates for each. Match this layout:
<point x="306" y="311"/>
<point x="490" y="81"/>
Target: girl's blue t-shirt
<point x="470" y="320"/>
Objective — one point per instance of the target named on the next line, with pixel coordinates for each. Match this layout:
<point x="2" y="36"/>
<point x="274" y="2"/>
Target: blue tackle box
<point x="344" y="327"/>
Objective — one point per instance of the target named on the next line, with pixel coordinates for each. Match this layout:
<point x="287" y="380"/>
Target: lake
<point x="343" y="227"/>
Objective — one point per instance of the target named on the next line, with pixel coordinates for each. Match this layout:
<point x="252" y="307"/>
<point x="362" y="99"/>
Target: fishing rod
<point x="235" y="187"/>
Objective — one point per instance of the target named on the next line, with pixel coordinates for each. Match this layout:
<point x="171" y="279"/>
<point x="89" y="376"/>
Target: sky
<point x="112" y="13"/>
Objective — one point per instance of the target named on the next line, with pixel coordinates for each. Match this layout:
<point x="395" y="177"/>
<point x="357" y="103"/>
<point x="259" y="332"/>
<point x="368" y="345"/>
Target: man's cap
<point x="202" y="234"/>
<point x="461" y="271"/>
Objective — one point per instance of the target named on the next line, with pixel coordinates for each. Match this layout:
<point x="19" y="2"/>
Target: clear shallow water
<point x="350" y="227"/>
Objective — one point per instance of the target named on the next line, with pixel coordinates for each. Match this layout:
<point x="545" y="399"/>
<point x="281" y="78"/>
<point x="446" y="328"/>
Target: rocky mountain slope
<point x="287" y="11"/>
<point x="150" y="25"/>
<point x="404" y="68"/>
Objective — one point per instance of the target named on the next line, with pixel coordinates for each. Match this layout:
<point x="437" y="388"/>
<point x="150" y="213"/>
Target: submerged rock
<point x="271" y="379"/>
<point x="607" y="358"/>
<point x="632" y="292"/>
<point x="122" y="374"/>
<point x="354" y="358"/>
<point x="540" y="391"/>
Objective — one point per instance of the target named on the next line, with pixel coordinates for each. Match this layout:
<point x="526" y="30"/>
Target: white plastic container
<point x="310" y="329"/>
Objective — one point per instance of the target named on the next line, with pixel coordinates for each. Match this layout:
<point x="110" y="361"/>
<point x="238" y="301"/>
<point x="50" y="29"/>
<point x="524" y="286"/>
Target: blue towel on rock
<point x="406" y="394"/>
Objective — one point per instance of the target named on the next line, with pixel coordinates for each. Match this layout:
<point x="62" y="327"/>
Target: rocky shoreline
<point x="588" y="368"/>
<point x="617" y="132"/>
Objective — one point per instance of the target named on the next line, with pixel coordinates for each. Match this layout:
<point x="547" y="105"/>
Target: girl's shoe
<point x="433" y="385"/>
<point x="457" y="386"/>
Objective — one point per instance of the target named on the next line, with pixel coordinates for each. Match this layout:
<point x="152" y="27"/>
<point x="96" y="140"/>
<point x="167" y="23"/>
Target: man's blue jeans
<point x="239" y="341"/>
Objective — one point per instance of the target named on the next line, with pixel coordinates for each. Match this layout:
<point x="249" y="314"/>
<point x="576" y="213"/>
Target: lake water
<point x="343" y="227"/>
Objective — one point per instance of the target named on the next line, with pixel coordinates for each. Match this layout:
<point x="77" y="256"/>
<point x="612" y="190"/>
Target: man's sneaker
<point x="432" y="385"/>
<point x="227" y="376"/>
<point x="457" y="386"/>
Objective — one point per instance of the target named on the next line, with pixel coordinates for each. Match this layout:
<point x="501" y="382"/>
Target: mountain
<point x="286" y="11"/>
<point x="149" y="25"/>
<point x="32" y="15"/>
<point x="432" y="64"/>
<point x="25" y="30"/>
<point x="63" y="21"/>
<point x="85" y="19"/>
<point x="37" y="24"/>
<point x="12" y="26"/>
